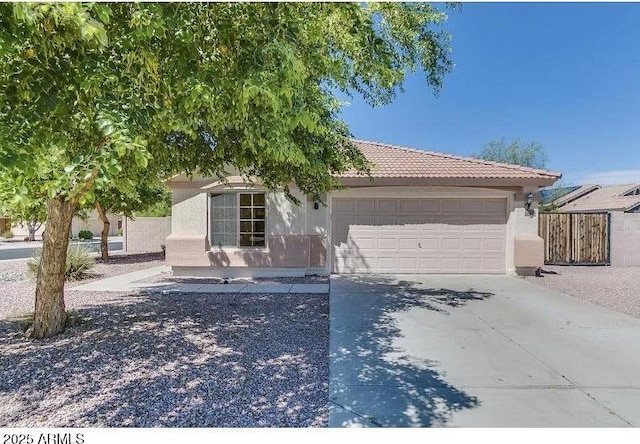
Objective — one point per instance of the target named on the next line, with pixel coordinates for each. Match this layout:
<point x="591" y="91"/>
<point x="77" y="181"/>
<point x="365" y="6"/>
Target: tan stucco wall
<point x="297" y="235"/>
<point x="93" y="223"/>
<point x="285" y="217"/>
<point x="287" y="228"/>
<point x="188" y="211"/>
<point x="145" y="234"/>
<point x="521" y="225"/>
<point x="625" y="239"/>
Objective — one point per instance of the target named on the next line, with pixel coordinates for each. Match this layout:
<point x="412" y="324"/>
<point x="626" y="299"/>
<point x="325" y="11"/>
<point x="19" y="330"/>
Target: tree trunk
<point x="49" y="318"/>
<point x="32" y="232"/>
<point x="33" y="227"/>
<point x="104" y="238"/>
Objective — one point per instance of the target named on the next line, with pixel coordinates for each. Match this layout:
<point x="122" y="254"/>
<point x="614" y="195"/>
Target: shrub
<point x="79" y="263"/>
<point x="85" y="235"/>
<point x="8" y="234"/>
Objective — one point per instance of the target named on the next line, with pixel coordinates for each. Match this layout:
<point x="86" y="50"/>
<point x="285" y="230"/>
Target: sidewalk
<point x="128" y="283"/>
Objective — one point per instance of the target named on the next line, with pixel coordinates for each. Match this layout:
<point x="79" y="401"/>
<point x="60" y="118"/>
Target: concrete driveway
<point x="483" y="351"/>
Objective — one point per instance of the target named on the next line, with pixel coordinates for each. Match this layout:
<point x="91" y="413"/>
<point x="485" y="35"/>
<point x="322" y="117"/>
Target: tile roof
<point x="392" y="161"/>
<point x="575" y="194"/>
<point x="605" y="199"/>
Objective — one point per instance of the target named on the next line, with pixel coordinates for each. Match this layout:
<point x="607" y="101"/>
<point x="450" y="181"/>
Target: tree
<point x="86" y="88"/>
<point x="125" y="198"/>
<point x="530" y="154"/>
<point x="31" y="212"/>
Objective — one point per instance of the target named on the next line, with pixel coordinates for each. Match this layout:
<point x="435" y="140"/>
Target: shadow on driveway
<point x="374" y="382"/>
<point x="174" y="360"/>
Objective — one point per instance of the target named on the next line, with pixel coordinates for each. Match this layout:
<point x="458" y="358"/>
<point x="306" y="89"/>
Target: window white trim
<point x="237" y="193"/>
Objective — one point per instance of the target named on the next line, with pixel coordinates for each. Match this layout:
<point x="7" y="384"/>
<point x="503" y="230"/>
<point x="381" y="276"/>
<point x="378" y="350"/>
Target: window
<point x="224" y="220"/>
<point x="238" y="219"/>
<point x="252" y="220"/>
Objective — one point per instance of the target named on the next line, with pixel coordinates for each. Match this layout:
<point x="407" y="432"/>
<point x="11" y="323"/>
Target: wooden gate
<point x="575" y="238"/>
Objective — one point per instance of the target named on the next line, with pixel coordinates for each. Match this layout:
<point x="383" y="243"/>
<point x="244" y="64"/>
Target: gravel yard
<point x="617" y="288"/>
<point x="166" y="360"/>
<point x="17" y="290"/>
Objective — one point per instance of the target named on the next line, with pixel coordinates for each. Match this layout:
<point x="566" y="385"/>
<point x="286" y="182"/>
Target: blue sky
<point x="564" y="74"/>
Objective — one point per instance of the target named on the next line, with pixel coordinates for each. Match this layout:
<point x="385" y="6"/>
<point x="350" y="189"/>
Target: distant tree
<point x="559" y="189"/>
<point x="162" y="208"/>
<point x="530" y="154"/>
<point x="126" y="199"/>
<point x="32" y="212"/>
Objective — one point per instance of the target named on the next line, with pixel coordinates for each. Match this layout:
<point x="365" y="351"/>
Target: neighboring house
<point x="92" y="223"/>
<point x="622" y="202"/>
<point x="596" y="198"/>
<point x="424" y="212"/>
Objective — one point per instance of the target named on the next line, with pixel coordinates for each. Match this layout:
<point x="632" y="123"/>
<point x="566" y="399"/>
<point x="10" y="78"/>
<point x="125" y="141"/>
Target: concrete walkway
<point x="129" y="283"/>
<point x="484" y="351"/>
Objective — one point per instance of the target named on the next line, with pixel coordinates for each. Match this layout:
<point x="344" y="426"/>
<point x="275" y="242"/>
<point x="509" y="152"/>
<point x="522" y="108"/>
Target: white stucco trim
<point x="422" y="192"/>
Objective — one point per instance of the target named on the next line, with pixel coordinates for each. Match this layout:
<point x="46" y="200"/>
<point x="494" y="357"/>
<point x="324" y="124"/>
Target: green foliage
<point x="93" y="93"/>
<point x="78" y="266"/>
<point x="7" y="234"/>
<point x="85" y="235"/>
<point x="87" y="89"/>
<point x="134" y="195"/>
<point x="558" y="190"/>
<point x="159" y="209"/>
<point x="530" y="154"/>
<point x="23" y="201"/>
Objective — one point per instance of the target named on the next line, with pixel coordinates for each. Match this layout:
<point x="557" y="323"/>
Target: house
<point x="595" y="198"/>
<point x="622" y="202"/>
<point x="423" y="212"/>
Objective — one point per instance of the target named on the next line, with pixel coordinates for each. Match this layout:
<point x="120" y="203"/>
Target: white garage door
<point x="418" y="235"/>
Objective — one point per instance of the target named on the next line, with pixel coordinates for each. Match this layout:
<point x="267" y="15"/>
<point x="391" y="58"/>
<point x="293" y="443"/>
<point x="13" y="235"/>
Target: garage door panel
<point x="451" y="264"/>
<point x="451" y="205"/>
<point x="450" y="244"/>
<point x="344" y="205"/>
<point x="494" y="244"/>
<point x="386" y="244"/>
<point x="387" y="264"/>
<point x="431" y="206"/>
<point x="408" y="243"/>
<point x="408" y="205"/>
<point x="419" y="235"/>
<point x="388" y="205"/>
<point x="365" y="205"/>
<point x="363" y="243"/>
<point x="408" y="264"/>
<point x="472" y="244"/>
<point x="429" y="265"/>
<point x="472" y="264"/>
<point x="494" y="205"/>
<point x="471" y="206"/>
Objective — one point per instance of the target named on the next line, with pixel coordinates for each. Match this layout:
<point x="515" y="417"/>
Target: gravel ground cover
<point x="17" y="289"/>
<point x="178" y="361"/>
<point x="165" y="360"/>
<point x="617" y="288"/>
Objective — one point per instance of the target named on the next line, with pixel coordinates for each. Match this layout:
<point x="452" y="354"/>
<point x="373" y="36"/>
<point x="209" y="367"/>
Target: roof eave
<point x="446" y="181"/>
